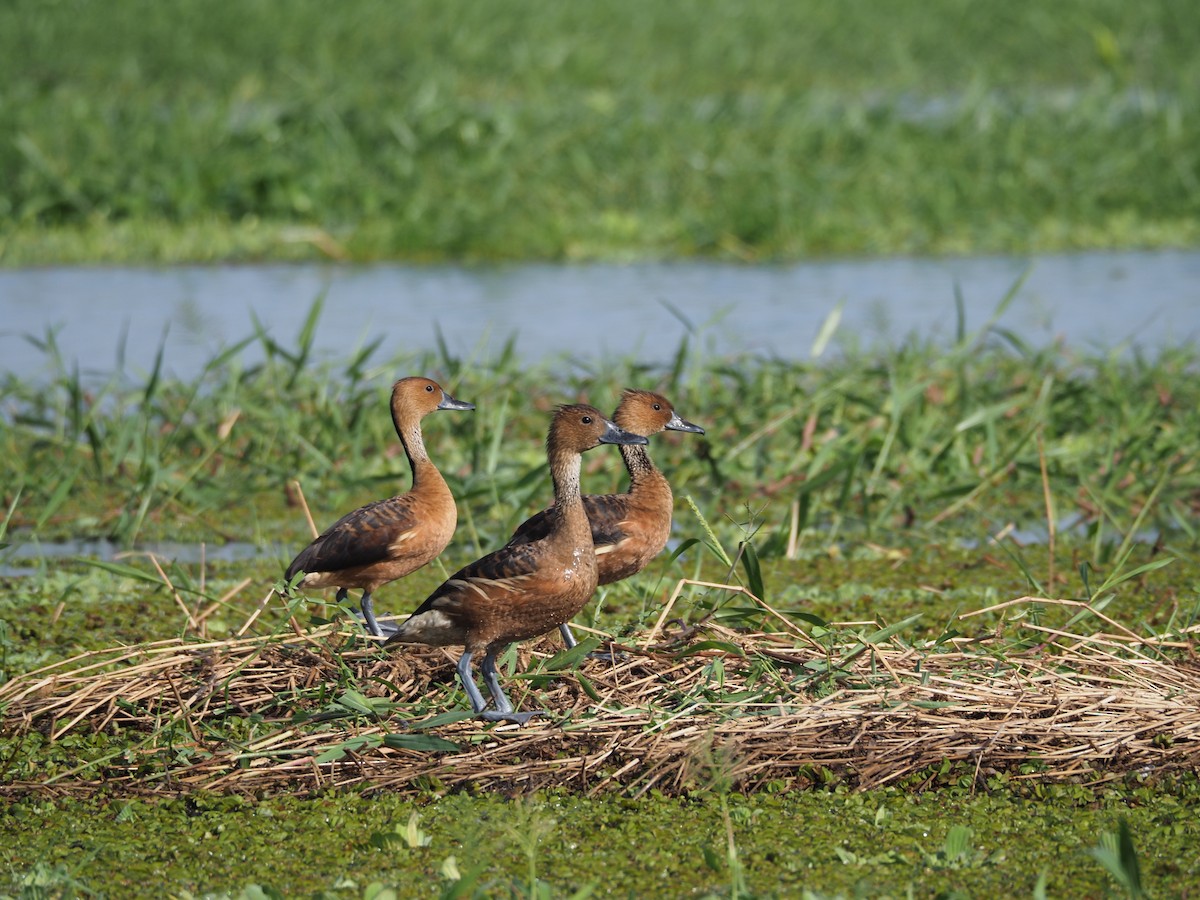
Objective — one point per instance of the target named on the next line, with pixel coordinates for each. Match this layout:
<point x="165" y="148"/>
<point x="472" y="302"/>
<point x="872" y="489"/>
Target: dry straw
<point x="321" y="709"/>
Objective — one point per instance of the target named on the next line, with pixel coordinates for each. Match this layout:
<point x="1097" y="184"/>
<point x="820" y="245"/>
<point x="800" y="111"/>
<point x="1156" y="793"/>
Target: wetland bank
<point x="881" y="519"/>
<point x="862" y="495"/>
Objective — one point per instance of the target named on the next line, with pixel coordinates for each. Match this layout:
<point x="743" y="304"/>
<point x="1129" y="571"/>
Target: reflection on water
<point x="589" y="312"/>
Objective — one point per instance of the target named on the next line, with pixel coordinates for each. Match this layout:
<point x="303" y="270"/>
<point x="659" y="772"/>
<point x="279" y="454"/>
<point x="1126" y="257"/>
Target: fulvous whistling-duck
<point x="521" y="591"/>
<point x="628" y="529"/>
<point x="387" y="539"/>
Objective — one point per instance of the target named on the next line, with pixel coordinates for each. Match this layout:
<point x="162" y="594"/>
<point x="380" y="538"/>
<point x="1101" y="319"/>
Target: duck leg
<point x="387" y="629"/>
<point x="478" y="704"/>
<point x="504" y="709"/>
<point x="569" y="639"/>
<point x="368" y="611"/>
<point x="382" y="629"/>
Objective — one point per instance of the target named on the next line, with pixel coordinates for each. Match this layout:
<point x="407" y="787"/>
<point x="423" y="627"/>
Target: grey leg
<point x="367" y="614"/>
<point x="468" y="683"/>
<point x="368" y="611"/>
<point x="504" y="709"/>
<point x="569" y="639"/>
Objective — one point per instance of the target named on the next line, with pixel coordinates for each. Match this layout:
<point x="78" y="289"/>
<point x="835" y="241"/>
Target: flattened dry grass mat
<point x="313" y="710"/>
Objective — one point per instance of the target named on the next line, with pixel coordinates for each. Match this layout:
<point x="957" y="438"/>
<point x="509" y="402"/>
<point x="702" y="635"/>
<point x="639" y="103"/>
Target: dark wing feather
<point x="510" y="561"/>
<point x="359" y="538"/>
<point x="605" y="513"/>
<point x="534" y="528"/>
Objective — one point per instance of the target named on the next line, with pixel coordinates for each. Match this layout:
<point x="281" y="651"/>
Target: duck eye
<point x="587" y="420"/>
<point x="658" y="406"/>
<point x="429" y="388"/>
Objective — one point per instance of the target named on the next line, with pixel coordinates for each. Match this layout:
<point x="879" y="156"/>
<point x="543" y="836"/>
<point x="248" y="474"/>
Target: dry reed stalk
<point x="1076" y="706"/>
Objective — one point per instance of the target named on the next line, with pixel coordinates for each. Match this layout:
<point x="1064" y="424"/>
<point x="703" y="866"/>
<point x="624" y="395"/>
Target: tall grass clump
<point x="227" y="130"/>
<point x="919" y="442"/>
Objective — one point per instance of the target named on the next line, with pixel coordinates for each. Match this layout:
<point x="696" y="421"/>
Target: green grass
<point x="914" y="443"/>
<point x="609" y="130"/>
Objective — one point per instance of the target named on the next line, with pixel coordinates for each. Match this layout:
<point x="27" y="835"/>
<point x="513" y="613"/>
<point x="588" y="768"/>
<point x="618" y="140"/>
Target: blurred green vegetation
<point x="140" y="131"/>
<point x="940" y="441"/>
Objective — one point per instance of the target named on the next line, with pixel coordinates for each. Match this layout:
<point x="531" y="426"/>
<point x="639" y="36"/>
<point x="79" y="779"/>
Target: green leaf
<point x="713" y="543"/>
<point x="426" y="743"/>
<point x="684" y="547"/>
<point x="588" y="687"/>
<point x="386" y="840"/>
<point x="754" y="578"/>
<point x="464" y="886"/>
<point x="810" y="618"/>
<point x="8" y="516"/>
<point x="958" y="843"/>
<point x="1117" y="854"/>
<point x="1129" y="858"/>
<point x="828" y="328"/>
<point x="446" y="718"/>
<point x="357" y="702"/>
<point x="848" y="857"/>
<point x="981" y="416"/>
<point x="413" y="834"/>
<point x="1114" y="580"/>
<point x="571" y="657"/>
<point x="336" y="752"/>
<point x="119" y="569"/>
<point x="884" y="633"/>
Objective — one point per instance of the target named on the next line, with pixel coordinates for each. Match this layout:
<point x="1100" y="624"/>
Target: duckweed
<point x="878" y="843"/>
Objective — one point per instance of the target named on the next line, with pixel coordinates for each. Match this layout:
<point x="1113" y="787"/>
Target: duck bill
<point x="449" y="402"/>
<point x="678" y="424"/>
<point x="616" y="435"/>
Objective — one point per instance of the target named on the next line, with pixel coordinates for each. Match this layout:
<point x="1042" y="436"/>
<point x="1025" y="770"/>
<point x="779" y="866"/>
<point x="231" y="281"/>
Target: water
<point x="16" y="559"/>
<point x="590" y="312"/>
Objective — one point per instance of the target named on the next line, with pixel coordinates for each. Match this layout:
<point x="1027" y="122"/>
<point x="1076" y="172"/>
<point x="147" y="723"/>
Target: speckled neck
<point x="408" y="429"/>
<point x="565" y="469"/>
<point x="638" y="462"/>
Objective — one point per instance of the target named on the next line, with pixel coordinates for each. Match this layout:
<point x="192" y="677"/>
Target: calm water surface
<point x="590" y="312"/>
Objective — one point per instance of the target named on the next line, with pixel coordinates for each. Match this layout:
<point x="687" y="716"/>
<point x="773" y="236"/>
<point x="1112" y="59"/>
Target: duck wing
<point x="369" y="534"/>
<point x="605" y="512"/>
<point x="502" y="571"/>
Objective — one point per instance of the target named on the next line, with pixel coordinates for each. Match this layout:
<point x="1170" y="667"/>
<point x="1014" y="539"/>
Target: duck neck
<point x="409" y="432"/>
<point x="572" y="518"/>
<point x="643" y="476"/>
<point x="638" y="462"/>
